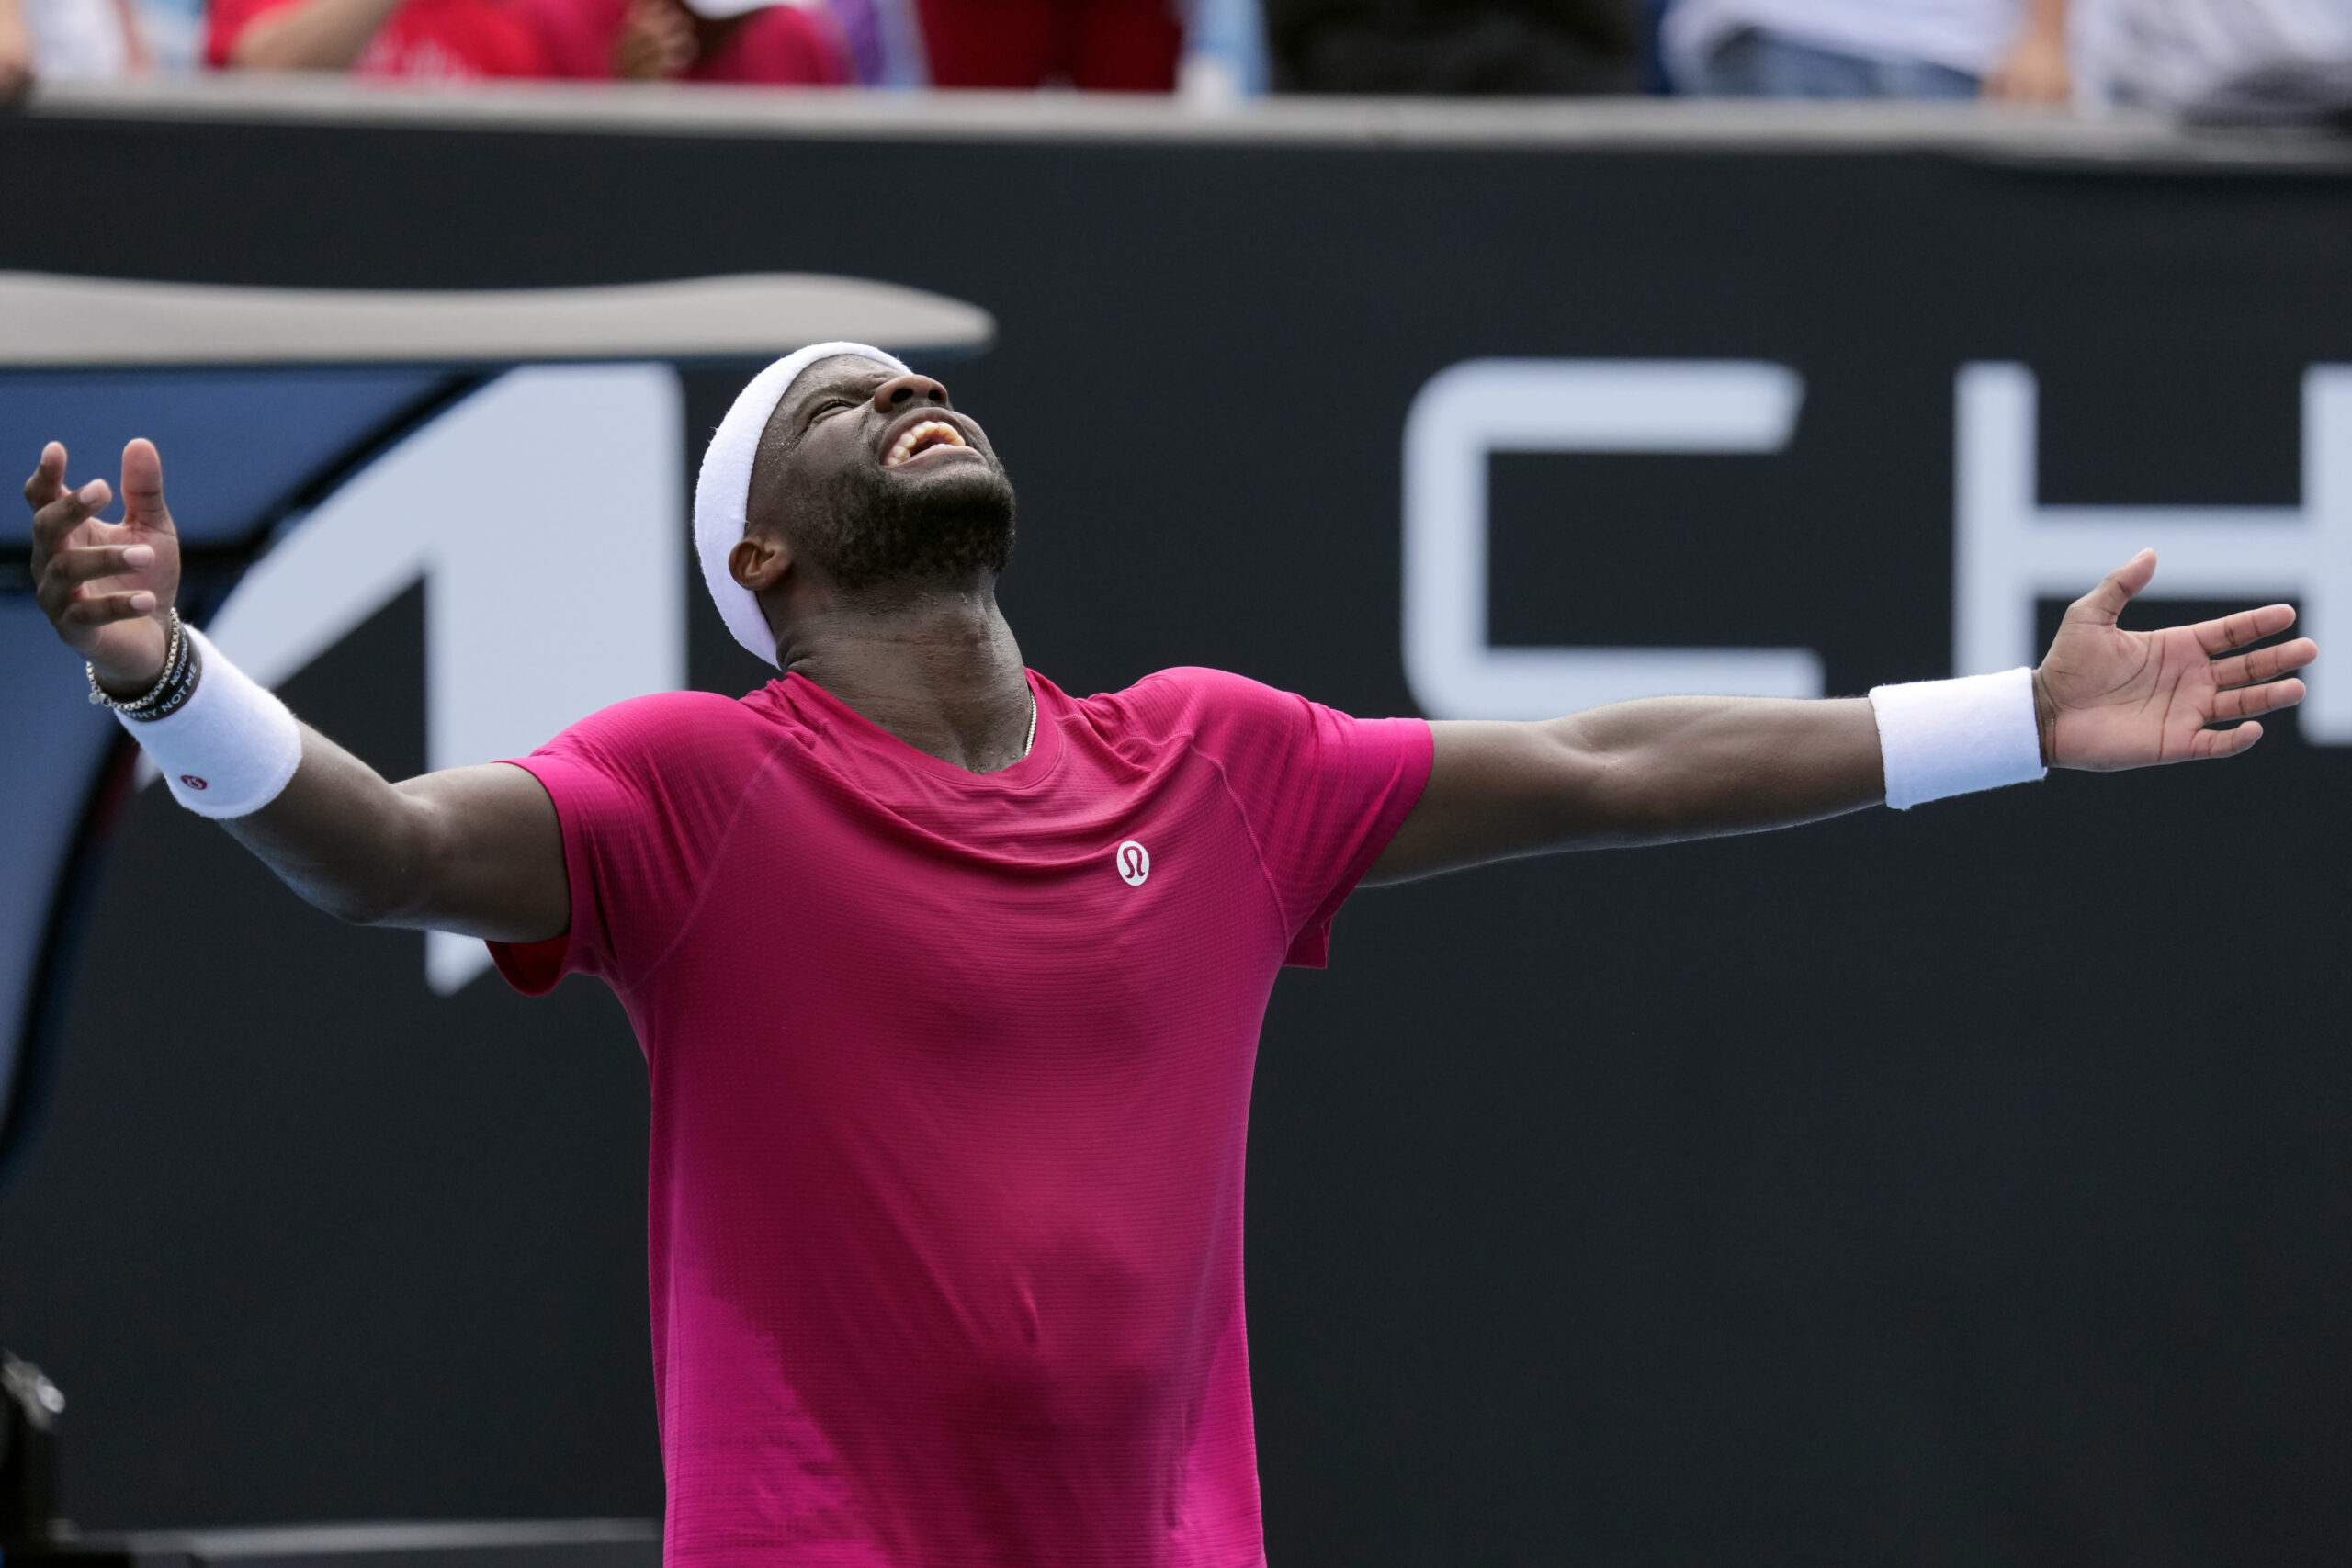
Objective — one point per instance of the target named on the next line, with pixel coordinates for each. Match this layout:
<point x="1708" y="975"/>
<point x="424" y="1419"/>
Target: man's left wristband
<point x="1947" y="738"/>
<point x="226" y="746"/>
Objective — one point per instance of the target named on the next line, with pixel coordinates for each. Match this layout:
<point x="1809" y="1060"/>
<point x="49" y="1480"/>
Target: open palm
<point x="2111" y="699"/>
<point x="107" y="586"/>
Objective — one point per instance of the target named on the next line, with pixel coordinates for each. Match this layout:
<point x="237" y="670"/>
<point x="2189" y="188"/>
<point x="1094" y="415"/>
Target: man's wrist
<point x="225" y="747"/>
<point x="1946" y="737"/>
<point x="126" y="686"/>
<point x="128" y="681"/>
<point x="2045" y="718"/>
<point x="148" y="698"/>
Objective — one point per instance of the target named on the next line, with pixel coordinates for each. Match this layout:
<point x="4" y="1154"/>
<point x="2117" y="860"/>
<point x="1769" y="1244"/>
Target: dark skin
<point x="478" y="850"/>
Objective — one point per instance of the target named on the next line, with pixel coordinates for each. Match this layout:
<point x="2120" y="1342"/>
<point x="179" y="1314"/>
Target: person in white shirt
<point x="2012" y="50"/>
<point x="2174" y="53"/>
<point x="65" y="39"/>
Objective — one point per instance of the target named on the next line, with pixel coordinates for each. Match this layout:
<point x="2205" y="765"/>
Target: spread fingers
<point x="61" y="513"/>
<point x="2245" y="626"/>
<point x="98" y="609"/>
<point x="2263" y="663"/>
<point x="48" y="477"/>
<point x="2212" y="743"/>
<point x="2245" y="701"/>
<point x="92" y="561"/>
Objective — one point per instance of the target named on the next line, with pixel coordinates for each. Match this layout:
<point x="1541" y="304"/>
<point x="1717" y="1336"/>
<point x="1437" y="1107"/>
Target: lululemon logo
<point x="194" y="782"/>
<point x="1134" y="862"/>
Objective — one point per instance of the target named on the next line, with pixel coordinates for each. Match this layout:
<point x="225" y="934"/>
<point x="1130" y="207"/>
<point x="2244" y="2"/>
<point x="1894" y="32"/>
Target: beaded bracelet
<point x="178" y="655"/>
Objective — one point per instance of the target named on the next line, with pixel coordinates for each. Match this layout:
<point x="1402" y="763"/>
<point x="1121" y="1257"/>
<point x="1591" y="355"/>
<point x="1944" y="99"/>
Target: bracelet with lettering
<point x="177" y="655"/>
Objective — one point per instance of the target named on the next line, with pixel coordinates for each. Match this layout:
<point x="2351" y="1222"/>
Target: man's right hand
<point x="107" y="587"/>
<point x="478" y="849"/>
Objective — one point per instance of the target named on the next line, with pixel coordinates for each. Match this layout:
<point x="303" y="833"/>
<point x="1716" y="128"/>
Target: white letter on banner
<point x="1468" y="411"/>
<point x="2009" y="550"/>
<point x="544" y="513"/>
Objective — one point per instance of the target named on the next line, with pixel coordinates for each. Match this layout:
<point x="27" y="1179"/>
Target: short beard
<point x="878" y="538"/>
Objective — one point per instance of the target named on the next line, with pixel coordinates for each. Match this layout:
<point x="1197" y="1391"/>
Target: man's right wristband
<point x="226" y="746"/>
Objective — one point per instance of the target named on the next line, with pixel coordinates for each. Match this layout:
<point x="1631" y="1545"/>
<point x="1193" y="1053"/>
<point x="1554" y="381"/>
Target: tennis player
<point x="949" y="983"/>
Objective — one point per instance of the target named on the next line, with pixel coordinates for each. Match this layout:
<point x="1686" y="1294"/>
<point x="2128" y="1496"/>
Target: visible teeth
<point x="937" y="431"/>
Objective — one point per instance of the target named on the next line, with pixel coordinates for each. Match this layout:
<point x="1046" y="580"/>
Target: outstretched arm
<point x="476" y="851"/>
<point x="1692" y="767"/>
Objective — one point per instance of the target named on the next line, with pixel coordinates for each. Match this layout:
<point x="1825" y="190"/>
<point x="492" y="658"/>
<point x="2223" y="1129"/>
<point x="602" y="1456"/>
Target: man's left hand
<point x="2109" y="699"/>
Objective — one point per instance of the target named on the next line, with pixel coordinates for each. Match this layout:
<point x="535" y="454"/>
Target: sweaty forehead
<point x="840" y="372"/>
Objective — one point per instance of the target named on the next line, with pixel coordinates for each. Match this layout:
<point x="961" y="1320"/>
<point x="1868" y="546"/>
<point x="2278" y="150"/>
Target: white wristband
<point x="229" y="749"/>
<point x="1941" y="737"/>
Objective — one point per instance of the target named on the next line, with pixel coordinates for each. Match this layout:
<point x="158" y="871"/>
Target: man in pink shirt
<point x="949" y="983"/>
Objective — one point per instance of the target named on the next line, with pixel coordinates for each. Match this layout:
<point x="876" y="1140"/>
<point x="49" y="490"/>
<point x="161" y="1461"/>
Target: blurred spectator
<point x="1456" y="46"/>
<point x="877" y="37"/>
<point x="171" y="34"/>
<point x="434" y="40"/>
<point x="2014" y="50"/>
<point x="695" y="40"/>
<point x="65" y="39"/>
<point x="1114" y="45"/>
<point x="1225" y="52"/>
<point x="16" y="52"/>
<point x="2179" y="54"/>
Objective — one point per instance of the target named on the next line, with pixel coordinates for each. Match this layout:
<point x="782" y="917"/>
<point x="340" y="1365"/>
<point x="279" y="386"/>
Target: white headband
<point x="723" y="491"/>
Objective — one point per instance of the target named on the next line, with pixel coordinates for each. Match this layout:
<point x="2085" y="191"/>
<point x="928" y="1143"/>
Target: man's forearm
<point x="340" y="834"/>
<point x="1672" y="768"/>
<point x="476" y="851"/>
<point x="1640" y="773"/>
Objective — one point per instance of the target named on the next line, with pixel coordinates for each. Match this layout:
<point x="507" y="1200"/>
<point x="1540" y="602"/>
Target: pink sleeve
<point x="644" y="791"/>
<point x="1323" y="792"/>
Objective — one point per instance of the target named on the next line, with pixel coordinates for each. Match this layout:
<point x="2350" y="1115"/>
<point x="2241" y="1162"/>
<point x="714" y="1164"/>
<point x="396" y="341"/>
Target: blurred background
<point x="1964" y="1186"/>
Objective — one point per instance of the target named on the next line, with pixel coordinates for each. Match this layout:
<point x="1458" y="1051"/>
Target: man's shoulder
<point x="1212" y="710"/>
<point x="1189" y="696"/>
<point x="667" y="727"/>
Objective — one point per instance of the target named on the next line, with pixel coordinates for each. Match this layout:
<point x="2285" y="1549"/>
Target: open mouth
<point x="927" y="435"/>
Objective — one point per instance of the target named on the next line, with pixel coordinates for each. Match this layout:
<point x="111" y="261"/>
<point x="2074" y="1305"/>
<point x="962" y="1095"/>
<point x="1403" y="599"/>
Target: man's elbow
<point x="1620" y="793"/>
<point x="353" y="905"/>
<point x="388" y="883"/>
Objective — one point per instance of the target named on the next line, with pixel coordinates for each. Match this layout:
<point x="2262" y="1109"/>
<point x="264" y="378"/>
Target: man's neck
<point x="940" y="670"/>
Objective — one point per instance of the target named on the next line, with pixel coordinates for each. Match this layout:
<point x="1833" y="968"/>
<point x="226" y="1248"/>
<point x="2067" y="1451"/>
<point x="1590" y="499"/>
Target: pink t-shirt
<point x="422" y="40"/>
<point x="950" y="1083"/>
<point x="776" y="45"/>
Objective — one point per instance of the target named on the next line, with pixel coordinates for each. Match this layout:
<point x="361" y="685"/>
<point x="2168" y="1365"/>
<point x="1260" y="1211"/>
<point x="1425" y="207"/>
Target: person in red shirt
<point x="693" y="40"/>
<point x="1123" y="46"/>
<point x="949" y="983"/>
<point x="428" y="39"/>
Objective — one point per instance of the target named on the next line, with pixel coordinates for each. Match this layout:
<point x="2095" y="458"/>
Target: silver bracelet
<point x="175" y="658"/>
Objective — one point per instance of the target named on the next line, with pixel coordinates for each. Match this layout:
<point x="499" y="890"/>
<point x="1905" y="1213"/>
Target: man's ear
<point x="759" y="561"/>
